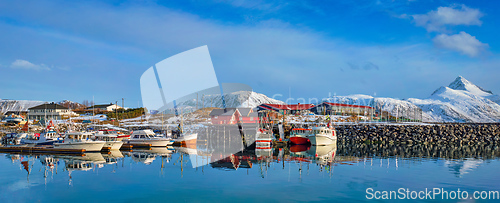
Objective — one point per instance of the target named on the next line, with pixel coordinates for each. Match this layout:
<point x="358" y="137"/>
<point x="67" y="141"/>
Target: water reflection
<point x="217" y="148"/>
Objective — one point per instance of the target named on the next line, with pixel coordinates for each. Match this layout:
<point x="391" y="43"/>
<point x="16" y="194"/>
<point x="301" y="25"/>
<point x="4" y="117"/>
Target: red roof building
<point x="328" y="108"/>
<point x="286" y="108"/>
<point x="232" y="116"/>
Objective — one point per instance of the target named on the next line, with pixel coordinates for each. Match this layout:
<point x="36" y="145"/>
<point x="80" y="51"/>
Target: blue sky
<point x="55" y="50"/>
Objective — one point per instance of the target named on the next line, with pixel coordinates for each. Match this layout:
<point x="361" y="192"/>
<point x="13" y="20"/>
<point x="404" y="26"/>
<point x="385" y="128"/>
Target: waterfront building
<point x="104" y="107"/>
<point x="50" y="111"/>
<point x="233" y="116"/>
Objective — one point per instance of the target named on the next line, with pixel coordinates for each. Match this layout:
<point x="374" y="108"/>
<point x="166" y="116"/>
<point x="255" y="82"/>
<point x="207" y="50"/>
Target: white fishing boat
<point x="114" y="141"/>
<point x="322" y="136"/>
<point x="80" y="140"/>
<point x="148" y="137"/>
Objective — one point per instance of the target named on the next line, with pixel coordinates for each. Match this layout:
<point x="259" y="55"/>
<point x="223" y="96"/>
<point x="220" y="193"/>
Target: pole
<point x="123" y="107"/>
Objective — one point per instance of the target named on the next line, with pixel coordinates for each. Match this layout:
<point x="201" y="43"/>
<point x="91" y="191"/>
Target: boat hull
<point x="38" y="142"/>
<point x="93" y="146"/>
<point x="113" y="145"/>
<point x="188" y="141"/>
<point x="299" y="140"/>
<point x="322" y="139"/>
<point x="154" y="143"/>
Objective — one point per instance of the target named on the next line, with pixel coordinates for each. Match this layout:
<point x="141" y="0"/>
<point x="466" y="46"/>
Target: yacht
<point x="148" y="137"/>
<point x="80" y="140"/>
<point x="322" y="136"/>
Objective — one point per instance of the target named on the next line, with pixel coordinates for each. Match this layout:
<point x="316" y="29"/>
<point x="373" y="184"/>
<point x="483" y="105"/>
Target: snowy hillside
<point x="461" y="101"/>
<point x="17" y="105"/>
<point x="23" y="105"/>
<point x="395" y="107"/>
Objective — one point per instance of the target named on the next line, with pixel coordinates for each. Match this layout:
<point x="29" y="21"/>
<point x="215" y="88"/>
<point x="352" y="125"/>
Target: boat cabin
<point x="301" y="131"/>
<point x="143" y="134"/>
<point x="321" y="130"/>
<point x="78" y="136"/>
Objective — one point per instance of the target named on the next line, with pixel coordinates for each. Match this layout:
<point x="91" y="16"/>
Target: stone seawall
<point x="453" y="134"/>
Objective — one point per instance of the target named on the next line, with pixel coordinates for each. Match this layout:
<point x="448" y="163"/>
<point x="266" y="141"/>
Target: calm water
<point x="341" y="172"/>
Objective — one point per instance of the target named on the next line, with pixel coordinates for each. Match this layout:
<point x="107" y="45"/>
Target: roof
<point x="287" y="106"/>
<point x="218" y="112"/>
<point x="48" y="106"/>
<point x="230" y="111"/>
<point x="348" y="105"/>
<point x="102" y="105"/>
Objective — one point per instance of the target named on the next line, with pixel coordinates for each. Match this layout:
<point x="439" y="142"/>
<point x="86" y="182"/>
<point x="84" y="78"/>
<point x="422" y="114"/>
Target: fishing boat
<point x="298" y="136"/>
<point x="114" y="141"/>
<point x="80" y="140"/>
<point x="322" y="136"/>
<point x="148" y="137"/>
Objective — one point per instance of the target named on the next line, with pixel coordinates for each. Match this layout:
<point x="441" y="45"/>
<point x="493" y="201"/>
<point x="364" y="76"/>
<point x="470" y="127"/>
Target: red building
<point x="233" y="116"/>
<point x="286" y="108"/>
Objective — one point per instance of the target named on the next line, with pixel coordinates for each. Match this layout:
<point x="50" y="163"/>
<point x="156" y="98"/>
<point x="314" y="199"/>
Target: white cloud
<point x="23" y="64"/>
<point x="462" y="42"/>
<point x="437" y="20"/>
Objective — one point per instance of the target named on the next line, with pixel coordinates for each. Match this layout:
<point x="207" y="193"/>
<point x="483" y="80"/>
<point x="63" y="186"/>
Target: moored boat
<point x="48" y="137"/>
<point x="322" y="136"/>
<point x="80" y="140"/>
<point x="148" y="137"/>
<point x="187" y="140"/>
<point x="114" y="141"/>
<point x="298" y="136"/>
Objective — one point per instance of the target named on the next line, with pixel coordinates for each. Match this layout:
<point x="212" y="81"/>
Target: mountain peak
<point x="461" y="83"/>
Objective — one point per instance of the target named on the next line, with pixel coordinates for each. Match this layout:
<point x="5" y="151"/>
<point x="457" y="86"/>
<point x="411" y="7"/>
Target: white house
<point x="50" y="111"/>
<point x="105" y="107"/>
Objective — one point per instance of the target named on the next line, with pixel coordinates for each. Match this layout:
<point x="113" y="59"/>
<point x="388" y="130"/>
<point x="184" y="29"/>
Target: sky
<point x="85" y="50"/>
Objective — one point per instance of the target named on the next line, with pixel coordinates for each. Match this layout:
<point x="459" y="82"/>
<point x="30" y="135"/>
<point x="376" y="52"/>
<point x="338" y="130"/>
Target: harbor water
<point x="342" y="172"/>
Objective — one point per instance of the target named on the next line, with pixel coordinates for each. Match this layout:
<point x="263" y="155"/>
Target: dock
<point x="41" y="150"/>
<point x="130" y="146"/>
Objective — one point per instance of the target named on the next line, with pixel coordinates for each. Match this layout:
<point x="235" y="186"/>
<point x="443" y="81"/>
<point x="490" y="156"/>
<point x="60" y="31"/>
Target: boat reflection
<point x="147" y="156"/>
<point x="113" y="156"/>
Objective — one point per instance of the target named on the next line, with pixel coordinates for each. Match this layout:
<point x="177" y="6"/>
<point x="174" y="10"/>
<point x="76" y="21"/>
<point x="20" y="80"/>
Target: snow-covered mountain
<point x="461" y="101"/>
<point x="247" y="99"/>
<point x="395" y="107"/>
<point x="7" y="105"/>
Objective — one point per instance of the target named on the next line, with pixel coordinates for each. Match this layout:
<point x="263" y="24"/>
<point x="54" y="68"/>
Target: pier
<point x="41" y="150"/>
